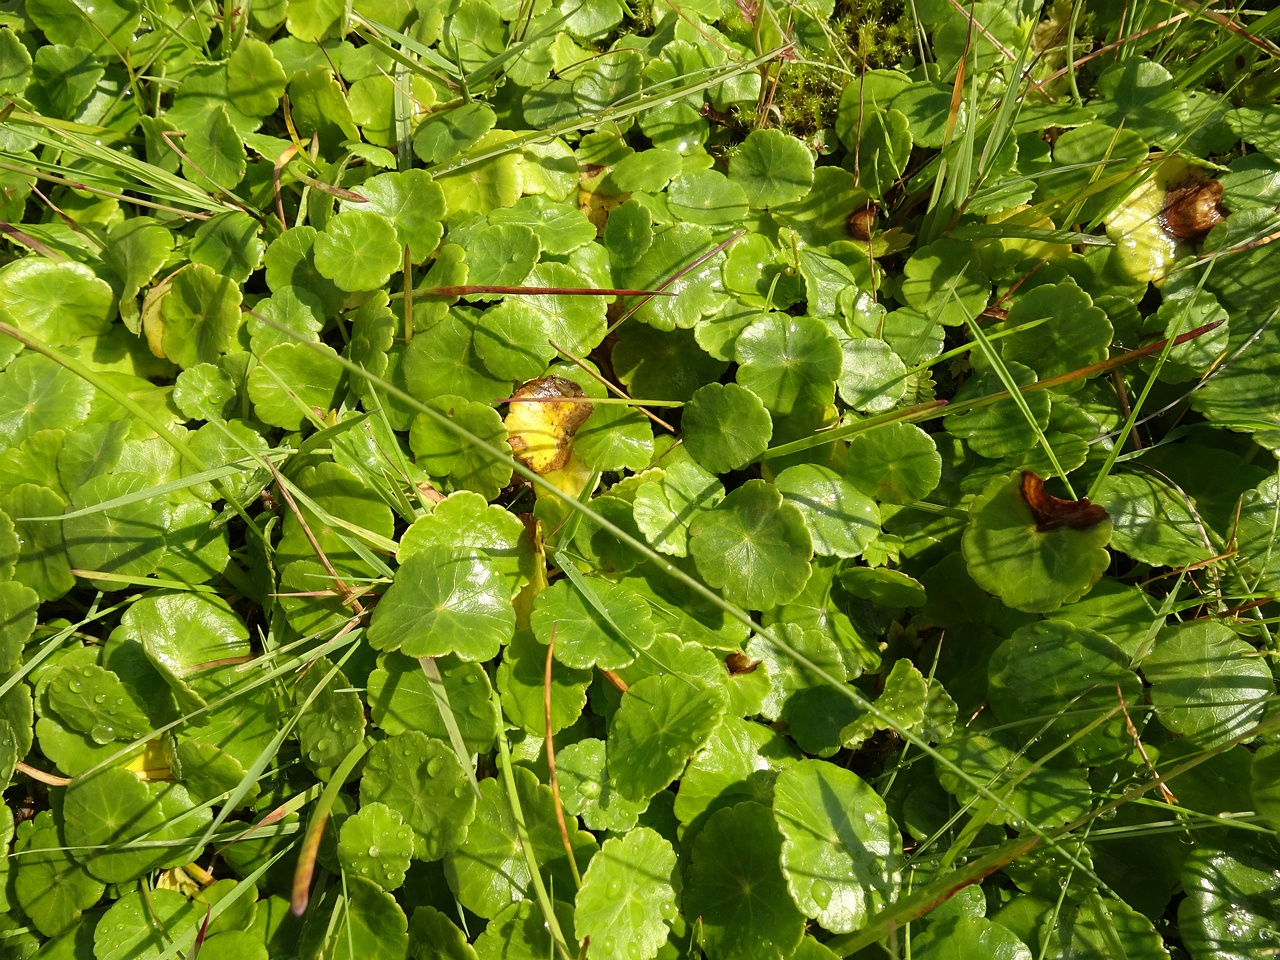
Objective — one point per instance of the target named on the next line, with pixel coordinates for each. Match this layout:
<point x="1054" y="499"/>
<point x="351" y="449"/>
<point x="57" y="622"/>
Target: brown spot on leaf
<point x="1052" y="512"/>
<point x="1191" y="209"/>
<point x="861" y="221"/>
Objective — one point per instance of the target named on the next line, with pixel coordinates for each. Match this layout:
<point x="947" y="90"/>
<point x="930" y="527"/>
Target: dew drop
<point x="821" y="892"/>
<point x="614" y="888"/>
<point x="590" y="789"/>
<point x="667" y="910"/>
<point x="433" y="766"/>
<point x="633" y="951"/>
<point x="373" y="850"/>
<point x="460" y="790"/>
<point x="74" y="686"/>
<point x="100" y="698"/>
<point x="608" y="944"/>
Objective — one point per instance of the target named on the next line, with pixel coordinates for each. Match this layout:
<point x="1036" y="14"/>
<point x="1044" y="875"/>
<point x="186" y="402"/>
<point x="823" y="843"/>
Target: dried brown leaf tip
<point x="740" y="663"/>
<point x="1052" y="512"/>
<point x="540" y="429"/>
<point x="1191" y="209"/>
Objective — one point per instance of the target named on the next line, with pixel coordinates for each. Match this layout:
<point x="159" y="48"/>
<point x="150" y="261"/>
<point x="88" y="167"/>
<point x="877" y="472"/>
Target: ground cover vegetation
<point x="718" y="479"/>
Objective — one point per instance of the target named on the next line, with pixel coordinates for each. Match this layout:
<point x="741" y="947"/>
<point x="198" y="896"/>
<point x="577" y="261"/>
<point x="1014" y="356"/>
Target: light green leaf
<point x="841" y="852"/>
<point x="733" y="882"/>
<point x="627" y="898"/>
<point x="661" y="723"/>
<point x="420" y="779"/>
<point x="753" y="546"/>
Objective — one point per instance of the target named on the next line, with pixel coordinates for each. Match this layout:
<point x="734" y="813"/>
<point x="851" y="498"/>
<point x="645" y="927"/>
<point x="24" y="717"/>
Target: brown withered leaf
<point x="741" y="663"/>
<point x="540" y="429"/>
<point x="1052" y="512"/>
<point x="1191" y="209"/>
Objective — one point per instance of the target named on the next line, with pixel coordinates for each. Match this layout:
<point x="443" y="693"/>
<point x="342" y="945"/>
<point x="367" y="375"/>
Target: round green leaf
<point x="1029" y="569"/>
<point x="968" y="936"/>
<point x="464" y="520"/>
<point x="294" y="379"/>
<point x="1232" y="898"/>
<point x="661" y="722"/>
<point x="1069" y="331"/>
<point x="483" y="185"/>
<point x="772" y="168"/>
<point x="333" y="723"/>
<point x="42" y="562"/>
<point x="1061" y="678"/>
<point x="872" y="377"/>
<point x="91" y="700"/>
<point x="522" y="681"/>
<point x="228" y="243"/>
<point x="670" y="262"/>
<point x="587" y="792"/>
<point x="512" y="338"/>
<point x="787" y="677"/>
<point x="1098" y="927"/>
<point x="290" y="262"/>
<point x="1153" y="523"/>
<point x="184" y="631"/>
<point x="628" y="897"/>
<point x="883" y="148"/>
<point x="444" y="601"/>
<point x="56" y="302"/>
<point x="740" y="761"/>
<point x="1207" y="685"/>
<point x="376" y="844"/>
<point x="433" y="936"/>
<point x="944" y="281"/>
<point x="788" y="362"/>
<point x="128" y="538"/>
<point x="368" y="924"/>
<point x="753" y="546"/>
<point x="733" y="882"/>
<point x="358" y="250"/>
<point x="255" y="79"/>
<point x="112" y="809"/>
<point x="201" y="314"/>
<point x="489" y="870"/>
<point x="38" y="394"/>
<point x="500" y="255"/>
<point x="725" y="426"/>
<point x="646" y="171"/>
<point x="138" y="928"/>
<point x="421" y="780"/>
<point x="445" y="455"/>
<point x="15" y="64"/>
<point x="841" y="521"/>
<point x="896" y="463"/>
<point x="663" y="509"/>
<point x="607" y="636"/>
<point x="450" y="132"/>
<point x="841" y="852"/>
<point x="561" y="227"/>
<point x="50" y="886"/>
<point x="105" y="28"/>
<point x="400" y="700"/>
<point x="521" y="932"/>
<point x="412" y="202"/>
<point x="706" y="197"/>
